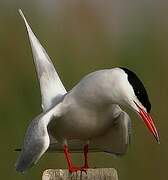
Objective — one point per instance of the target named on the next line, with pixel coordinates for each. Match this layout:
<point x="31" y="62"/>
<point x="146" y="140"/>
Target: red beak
<point x="149" y="122"/>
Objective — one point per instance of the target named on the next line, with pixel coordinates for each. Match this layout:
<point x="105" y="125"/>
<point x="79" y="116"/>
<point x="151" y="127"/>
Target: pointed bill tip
<point x="149" y="122"/>
<point x="158" y="141"/>
<point x="157" y="138"/>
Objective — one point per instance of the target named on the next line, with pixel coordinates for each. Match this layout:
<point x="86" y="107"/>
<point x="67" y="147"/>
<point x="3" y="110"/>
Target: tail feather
<point x="18" y="149"/>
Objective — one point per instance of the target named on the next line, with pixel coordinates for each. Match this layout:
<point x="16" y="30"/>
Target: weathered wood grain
<point x="92" y="174"/>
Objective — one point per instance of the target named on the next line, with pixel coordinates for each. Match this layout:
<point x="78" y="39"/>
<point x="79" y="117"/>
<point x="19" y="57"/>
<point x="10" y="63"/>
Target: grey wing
<point x="30" y="154"/>
<point x="36" y="140"/>
<point x="117" y="138"/>
<point x="50" y="83"/>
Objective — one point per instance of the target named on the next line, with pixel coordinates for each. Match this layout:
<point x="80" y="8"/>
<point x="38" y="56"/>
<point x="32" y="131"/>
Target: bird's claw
<point x="81" y="169"/>
<point x="73" y="169"/>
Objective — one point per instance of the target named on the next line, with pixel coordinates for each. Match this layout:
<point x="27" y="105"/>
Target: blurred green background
<point x="80" y="37"/>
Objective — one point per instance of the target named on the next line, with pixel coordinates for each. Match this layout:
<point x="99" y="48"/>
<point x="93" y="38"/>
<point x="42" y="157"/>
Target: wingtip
<point x="21" y="13"/>
<point x="21" y="166"/>
<point x="19" y="10"/>
<point x="19" y="170"/>
<point x="25" y="21"/>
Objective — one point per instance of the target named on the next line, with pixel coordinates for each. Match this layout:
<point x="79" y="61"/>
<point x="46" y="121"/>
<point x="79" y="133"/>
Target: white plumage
<point x="89" y="113"/>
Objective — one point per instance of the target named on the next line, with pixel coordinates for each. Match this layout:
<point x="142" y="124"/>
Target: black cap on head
<point x="139" y="88"/>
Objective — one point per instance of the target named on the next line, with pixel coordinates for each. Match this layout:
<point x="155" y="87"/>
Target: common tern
<point x="89" y="114"/>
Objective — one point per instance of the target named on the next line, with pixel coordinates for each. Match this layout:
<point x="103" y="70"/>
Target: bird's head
<point x="132" y="93"/>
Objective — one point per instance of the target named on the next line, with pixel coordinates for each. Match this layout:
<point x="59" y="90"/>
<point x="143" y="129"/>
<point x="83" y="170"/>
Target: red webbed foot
<point x="73" y="169"/>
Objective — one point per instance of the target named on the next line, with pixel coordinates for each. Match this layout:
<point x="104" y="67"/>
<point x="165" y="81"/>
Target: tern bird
<point x="90" y="113"/>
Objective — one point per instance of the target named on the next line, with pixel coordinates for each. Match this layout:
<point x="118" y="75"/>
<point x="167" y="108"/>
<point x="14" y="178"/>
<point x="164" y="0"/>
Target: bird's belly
<point x="80" y="126"/>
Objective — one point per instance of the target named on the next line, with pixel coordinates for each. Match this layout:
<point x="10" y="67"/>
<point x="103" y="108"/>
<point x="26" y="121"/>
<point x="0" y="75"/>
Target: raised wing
<point x="50" y="84"/>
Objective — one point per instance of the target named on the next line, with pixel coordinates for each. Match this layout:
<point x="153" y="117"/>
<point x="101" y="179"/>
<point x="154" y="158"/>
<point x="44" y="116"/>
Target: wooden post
<point x="92" y="174"/>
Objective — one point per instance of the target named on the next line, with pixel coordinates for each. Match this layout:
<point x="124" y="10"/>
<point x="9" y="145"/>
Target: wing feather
<point x="50" y="83"/>
<point x="36" y="140"/>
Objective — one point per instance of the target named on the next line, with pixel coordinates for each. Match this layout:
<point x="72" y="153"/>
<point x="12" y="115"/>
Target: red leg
<point x="85" y="167"/>
<point x="69" y="161"/>
<point x="85" y="149"/>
